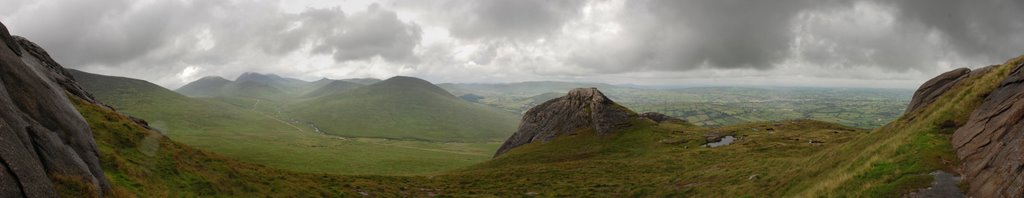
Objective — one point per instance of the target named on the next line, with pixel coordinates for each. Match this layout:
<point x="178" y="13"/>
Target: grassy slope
<point x="402" y="108"/>
<point x="667" y="160"/>
<point x="654" y="160"/>
<point x="253" y="136"/>
<point x="890" y="161"/>
<point x="887" y="162"/>
<point x="646" y="159"/>
<point x="330" y="87"/>
<point x="144" y="163"/>
<point x="896" y="158"/>
<point x="209" y="86"/>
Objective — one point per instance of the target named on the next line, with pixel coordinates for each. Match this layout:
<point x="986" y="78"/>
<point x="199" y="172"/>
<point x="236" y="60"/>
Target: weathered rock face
<point x="39" y="60"/>
<point x="582" y="108"/>
<point x="44" y="142"/>
<point x="991" y="144"/>
<point x="932" y="89"/>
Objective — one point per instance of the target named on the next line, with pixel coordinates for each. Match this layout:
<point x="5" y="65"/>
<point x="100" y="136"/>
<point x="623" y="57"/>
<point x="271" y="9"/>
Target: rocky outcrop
<point x="581" y="109"/>
<point x="39" y="60"/>
<point x="991" y="144"/>
<point x="45" y="144"/>
<point x="932" y="89"/>
<point x="659" y="118"/>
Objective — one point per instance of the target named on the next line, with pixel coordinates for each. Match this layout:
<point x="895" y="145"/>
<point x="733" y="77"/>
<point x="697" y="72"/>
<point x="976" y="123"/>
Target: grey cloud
<point x="115" y="33"/>
<point x="158" y="38"/>
<point x="681" y="35"/>
<point x="78" y="31"/>
<point x="991" y="30"/>
<point x="915" y="35"/>
<point x="508" y="19"/>
<point x="684" y="35"/>
<point x="375" y="32"/>
<point x="865" y="35"/>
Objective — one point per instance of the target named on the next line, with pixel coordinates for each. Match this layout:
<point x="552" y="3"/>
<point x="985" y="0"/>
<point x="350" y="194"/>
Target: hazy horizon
<point x="857" y="43"/>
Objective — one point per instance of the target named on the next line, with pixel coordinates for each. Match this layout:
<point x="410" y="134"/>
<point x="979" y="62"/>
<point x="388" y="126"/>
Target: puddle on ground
<point x="725" y="141"/>
<point x="945" y="185"/>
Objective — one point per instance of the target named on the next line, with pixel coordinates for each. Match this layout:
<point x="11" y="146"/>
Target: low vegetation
<point x="789" y="158"/>
<point x="245" y="129"/>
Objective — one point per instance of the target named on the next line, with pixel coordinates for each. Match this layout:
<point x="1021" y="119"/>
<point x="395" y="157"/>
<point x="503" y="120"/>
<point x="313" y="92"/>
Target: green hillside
<point x="405" y="108"/>
<point x="253" y="89"/>
<point x="363" y="81"/>
<point x="248" y="85"/>
<point x="209" y="86"/>
<point x="328" y="87"/>
<point x="237" y="127"/>
<point x="143" y="163"/>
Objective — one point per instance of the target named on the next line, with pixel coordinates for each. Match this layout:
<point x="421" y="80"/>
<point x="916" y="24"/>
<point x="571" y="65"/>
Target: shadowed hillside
<point x="404" y="108"/>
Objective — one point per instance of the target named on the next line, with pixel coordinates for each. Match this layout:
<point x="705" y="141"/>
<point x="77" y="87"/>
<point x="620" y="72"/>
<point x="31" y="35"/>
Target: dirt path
<point x="945" y="185"/>
<point x="256" y="104"/>
<point x="282" y="121"/>
<point x="274" y="118"/>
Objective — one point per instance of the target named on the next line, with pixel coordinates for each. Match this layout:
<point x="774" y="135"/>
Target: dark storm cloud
<point x="116" y="32"/>
<point x="681" y="35"/>
<point x="918" y="35"/>
<point x="986" y="29"/>
<point x="525" y="39"/>
<point x="83" y="32"/>
<point x="500" y="19"/>
<point x="685" y="35"/>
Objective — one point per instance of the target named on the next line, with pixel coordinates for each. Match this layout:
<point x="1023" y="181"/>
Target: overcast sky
<point x="866" y="43"/>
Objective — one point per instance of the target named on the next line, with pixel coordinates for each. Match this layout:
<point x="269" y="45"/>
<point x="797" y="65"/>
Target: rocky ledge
<point x="45" y="144"/>
<point x="991" y="144"/>
<point x="581" y="109"/>
<point x="932" y="89"/>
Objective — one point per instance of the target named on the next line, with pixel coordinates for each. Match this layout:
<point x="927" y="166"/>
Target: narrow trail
<point x="282" y="121"/>
<point x="274" y="118"/>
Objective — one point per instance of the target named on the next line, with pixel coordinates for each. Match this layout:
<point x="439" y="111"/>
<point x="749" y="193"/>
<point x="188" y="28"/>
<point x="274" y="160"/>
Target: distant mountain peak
<point x="410" y="83"/>
<point x="587" y="94"/>
<point x="252" y="76"/>
<point x="364" y="81"/>
<point x="581" y="108"/>
<point x="406" y="79"/>
<point x="213" y="78"/>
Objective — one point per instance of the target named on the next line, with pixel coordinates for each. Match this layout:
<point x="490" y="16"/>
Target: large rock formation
<point x="45" y="144"/>
<point x="582" y="108"/>
<point x="991" y="144"/>
<point x="932" y="89"/>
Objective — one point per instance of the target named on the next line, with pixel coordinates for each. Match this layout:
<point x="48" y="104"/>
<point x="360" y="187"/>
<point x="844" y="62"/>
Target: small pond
<point x="725" y="141"/>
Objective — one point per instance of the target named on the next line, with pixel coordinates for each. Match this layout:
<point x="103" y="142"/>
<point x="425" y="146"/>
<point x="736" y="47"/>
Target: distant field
<point x="720" y="106"/>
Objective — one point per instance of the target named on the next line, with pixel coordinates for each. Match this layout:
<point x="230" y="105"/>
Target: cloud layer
<point x="837" y="42"/>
